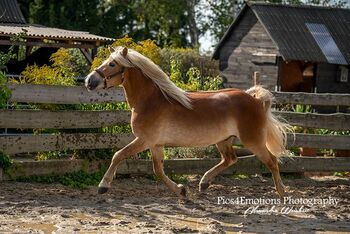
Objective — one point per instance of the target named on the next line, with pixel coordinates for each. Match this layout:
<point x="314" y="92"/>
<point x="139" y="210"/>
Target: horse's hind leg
<point x="158" y="168"/>
<point x="270" y="161"/>
<point x="228" y="157"/>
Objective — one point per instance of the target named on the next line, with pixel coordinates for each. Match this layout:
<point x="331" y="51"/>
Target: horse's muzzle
<point x="92" y="82"/>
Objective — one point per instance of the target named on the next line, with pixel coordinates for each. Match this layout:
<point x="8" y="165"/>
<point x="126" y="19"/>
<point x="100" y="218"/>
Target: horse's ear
<point x="125" y="51"/>
<point x="111" y="49"/>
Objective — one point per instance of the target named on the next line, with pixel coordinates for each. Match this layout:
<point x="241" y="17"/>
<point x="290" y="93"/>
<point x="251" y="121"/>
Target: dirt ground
<point x="140" y="205"/>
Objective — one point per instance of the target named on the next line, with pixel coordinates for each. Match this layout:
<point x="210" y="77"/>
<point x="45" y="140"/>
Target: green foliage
<point x="193" y="81"/>
<point x="166" y="21"/>
<point x="342" y="174"/>
<point x="189" y="70"/>
<point x="5" y="92"/>
<point x="5" y="161"/>
<point x="147" y="47"/>
<point x="5" y="57"/>
<point x="187" y="58"/>
<point x="240" y="176"/>
<point x="302" y="108"/>
<point x="61" y="72"/>
<point x="80" y="179"/>
<point x="216" y="23"/>
<point x="49" y="155"/>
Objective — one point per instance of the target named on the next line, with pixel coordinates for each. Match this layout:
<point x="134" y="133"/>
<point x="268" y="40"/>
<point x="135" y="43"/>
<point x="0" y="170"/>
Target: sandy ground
<point x="140" y="205"/>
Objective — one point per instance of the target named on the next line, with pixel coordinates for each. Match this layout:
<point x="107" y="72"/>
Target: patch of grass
<point x="179" y="179"/>
<point x="80" y="179"/>
<point x="239" y="176"/>
<point x="342" y="174"/>
<point x="290" y="175"/>
<point x="5" y="161"/>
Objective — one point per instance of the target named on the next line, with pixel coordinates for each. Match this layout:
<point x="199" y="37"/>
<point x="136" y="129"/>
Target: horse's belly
<point x="196" y="135"/>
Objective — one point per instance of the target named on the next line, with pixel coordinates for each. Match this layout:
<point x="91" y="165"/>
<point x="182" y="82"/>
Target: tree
<point x="167" y="22"/>
<point x="215" y="16"/>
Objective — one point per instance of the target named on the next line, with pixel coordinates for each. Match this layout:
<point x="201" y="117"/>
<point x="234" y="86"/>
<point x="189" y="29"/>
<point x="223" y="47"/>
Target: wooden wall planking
<point x="238" y="54"/>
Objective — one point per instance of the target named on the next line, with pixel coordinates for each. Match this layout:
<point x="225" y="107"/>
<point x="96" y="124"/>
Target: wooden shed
<point x="295" y="48"/>
<point x="47" y="39"/>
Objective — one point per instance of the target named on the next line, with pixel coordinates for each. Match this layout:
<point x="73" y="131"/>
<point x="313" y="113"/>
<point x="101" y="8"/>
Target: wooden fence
<point x="72" y="119"/>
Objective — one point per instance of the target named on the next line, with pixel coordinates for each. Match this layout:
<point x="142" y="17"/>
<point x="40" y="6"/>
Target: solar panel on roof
<point x="326" y="43"/>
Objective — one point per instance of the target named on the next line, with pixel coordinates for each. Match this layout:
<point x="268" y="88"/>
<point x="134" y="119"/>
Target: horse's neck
<point x="140" y="90"/>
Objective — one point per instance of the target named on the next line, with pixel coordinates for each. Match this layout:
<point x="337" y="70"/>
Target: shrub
<point x="5" y="92"/>
<point x="61" y="72"/>
<point x="147" y="47"/>
<point x="187" y="58"/>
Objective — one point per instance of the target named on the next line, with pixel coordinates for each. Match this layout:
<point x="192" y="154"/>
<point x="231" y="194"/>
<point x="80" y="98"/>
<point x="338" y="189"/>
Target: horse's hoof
<point x="203" y="187"/>
<point x="102" y="190"/>
<point x="182" y="190"/>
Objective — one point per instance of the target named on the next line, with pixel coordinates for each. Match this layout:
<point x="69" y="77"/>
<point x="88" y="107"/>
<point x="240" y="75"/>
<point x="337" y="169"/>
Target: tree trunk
<point x="194" y="32"/>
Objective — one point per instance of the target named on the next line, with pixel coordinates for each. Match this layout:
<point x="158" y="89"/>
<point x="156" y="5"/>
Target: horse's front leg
<point x="158" y="168"/>
<point x="134" y="147"/>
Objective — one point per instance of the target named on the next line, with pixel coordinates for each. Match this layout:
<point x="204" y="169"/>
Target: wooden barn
<point x="295" y="48"/>
<point x="46" y="40"/>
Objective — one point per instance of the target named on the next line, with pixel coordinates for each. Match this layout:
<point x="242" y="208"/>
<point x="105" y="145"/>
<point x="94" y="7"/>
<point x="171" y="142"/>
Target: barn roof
<point x="12" y="23"/>
<point x="10" y="12"/>
<point x="309" y="33"/>
<point x="40" y="31"/>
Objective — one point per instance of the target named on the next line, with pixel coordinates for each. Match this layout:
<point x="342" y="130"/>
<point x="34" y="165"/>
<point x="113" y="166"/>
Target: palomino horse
<point x="165" y="115"/>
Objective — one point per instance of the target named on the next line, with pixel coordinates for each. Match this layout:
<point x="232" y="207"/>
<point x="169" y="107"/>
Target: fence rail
<point x="55" y="94"/>
<point x="74" y="119"/>
<point x="319" y="99"/>
<point x="62" y="119"/>
<point x="78" y="95"/>
<point x="96" y="119"/>
<point x="245" y="165"/>
<point x="13" y="144"/>
<point x="58" y="142"/>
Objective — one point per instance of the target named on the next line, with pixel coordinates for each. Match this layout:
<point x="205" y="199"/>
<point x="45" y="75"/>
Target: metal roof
<point x="10" y="12"/>
<point x="286" y="25"/>
<point x="39" y="31"/>
<point x="12" y="23"/>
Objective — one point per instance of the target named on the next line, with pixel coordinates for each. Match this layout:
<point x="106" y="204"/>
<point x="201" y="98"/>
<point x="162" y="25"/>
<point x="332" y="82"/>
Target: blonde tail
<point x="276" y="127"/>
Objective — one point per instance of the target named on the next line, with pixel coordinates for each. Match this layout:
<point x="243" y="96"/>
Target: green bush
<point x="5" y="93"/>
<point x="79" y="179"/>
<point x="5" y="161"/>
<point x="186" y="58"/>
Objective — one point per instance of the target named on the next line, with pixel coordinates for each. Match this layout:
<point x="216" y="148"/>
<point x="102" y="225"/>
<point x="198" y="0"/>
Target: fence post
<point x="256" y="78"/>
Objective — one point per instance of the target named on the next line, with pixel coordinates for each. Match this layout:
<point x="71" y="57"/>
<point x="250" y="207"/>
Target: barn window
<point x="343" y="74"/>
<point x="326" y="43"/>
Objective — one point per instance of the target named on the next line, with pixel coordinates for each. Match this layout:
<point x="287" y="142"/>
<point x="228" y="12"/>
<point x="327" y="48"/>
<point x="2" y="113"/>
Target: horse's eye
<point x="111" y="64"/>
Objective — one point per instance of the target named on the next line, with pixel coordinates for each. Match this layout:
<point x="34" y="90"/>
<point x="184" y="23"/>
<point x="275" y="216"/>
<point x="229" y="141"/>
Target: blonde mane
<point x="152" y="71"/>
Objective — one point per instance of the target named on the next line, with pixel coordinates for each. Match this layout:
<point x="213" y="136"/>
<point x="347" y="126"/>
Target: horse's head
<point x="108" y="75"/>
